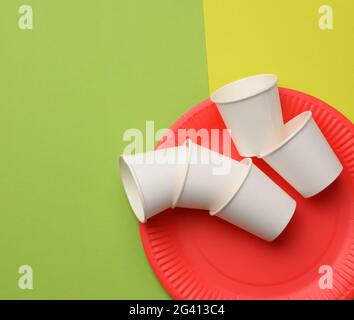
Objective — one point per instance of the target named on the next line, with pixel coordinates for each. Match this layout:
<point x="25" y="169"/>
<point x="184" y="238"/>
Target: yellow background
<point x="283" y="37"/>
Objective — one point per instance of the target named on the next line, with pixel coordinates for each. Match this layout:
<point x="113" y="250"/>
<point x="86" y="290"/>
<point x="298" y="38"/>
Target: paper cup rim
<point x="223" y="96"/>
<point x="123" y="162"/>
<point x="307" y="116"/>
<point x="249" y="163"/>
<point x="188" y="144"/>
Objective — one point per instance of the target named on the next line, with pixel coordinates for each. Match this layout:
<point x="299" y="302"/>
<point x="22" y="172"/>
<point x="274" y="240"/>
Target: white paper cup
<point x="251" y="108"/>
<point x="304" y="158"/>
<point x="259" y="206"/>
<point x="153" y="180"/>
<point x="211" y="179"/>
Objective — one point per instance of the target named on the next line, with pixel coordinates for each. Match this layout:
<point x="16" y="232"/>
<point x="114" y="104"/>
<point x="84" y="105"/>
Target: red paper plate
<point x="196" y="256"/>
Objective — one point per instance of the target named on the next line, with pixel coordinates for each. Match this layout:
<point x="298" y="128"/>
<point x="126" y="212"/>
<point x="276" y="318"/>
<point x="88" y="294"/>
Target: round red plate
<point x="196" y="256"/>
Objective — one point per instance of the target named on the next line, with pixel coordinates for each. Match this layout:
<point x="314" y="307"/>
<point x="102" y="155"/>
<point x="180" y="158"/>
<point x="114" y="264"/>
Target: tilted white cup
<point x="258" y="206"/>
<point x="251" y="108"/>
<point x="304" y="158"/>
<point x="211" y="179"/>
<point x="153" y="180"/>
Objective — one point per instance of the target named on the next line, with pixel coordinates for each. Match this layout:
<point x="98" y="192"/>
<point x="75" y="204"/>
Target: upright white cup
<point x="211" y="179"/>
<point x="251" y="108"/>
<point x="153" y="180"/>
<point x="258" y="206"/>
<point x="304" y="158"/>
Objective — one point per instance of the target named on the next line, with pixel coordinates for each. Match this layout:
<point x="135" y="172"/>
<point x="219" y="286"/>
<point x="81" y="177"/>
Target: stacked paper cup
<point x="152" y="180"/>
<point x="298" y="151"/>
<point x="191" y="176"/>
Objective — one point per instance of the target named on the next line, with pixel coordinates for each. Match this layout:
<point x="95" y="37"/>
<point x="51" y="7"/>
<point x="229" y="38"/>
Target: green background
<point x="70" y="87"/>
